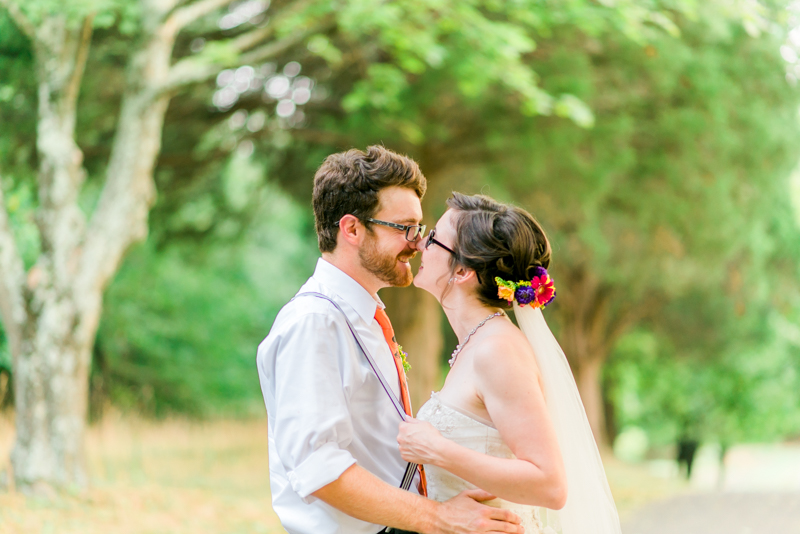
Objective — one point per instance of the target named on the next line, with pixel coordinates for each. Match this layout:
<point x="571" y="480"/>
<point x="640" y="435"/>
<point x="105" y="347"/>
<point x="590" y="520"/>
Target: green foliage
<point x="692" y="144"/>
<point x="663" y="181"/>
<point x="675" y="200"/>
<point x="181" y="323"/>
<point x="106" y="13"/>
<point x="482" y="47"/>
<point x="20" y="206"/>
<point x="749" y="392"/>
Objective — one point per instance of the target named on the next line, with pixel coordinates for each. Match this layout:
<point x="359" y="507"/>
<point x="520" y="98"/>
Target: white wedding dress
<point x="479" y="435"/>
<point x="590" y="507"/>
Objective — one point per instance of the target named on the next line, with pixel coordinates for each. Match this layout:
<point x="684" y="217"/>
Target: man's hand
<point x="360" y="494"/>
<point x="463" y="514"/>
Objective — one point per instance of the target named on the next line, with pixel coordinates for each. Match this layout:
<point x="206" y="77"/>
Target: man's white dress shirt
<point x="326" y="408"/>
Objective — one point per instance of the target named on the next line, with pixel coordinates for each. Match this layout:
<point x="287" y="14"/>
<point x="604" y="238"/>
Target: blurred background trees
<point x="655" y="144"/>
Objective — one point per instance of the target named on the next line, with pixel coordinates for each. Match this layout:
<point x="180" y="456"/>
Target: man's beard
<point x="384" y="266"/>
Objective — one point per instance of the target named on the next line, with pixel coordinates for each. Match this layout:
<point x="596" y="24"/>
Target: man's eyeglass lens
<point x="414" y="232"/>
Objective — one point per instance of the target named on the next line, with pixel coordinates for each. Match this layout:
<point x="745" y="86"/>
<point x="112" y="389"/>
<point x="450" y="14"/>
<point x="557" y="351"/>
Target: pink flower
<point x="545" y="290"/>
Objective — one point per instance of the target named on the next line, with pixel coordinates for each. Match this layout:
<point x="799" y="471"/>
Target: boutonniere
<point x="404" y="358"/>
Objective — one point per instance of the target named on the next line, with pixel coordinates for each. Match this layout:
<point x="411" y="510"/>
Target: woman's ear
<point x="463" y="275"/>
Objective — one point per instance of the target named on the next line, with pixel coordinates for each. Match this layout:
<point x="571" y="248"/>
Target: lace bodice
<point x="479" y="436"/>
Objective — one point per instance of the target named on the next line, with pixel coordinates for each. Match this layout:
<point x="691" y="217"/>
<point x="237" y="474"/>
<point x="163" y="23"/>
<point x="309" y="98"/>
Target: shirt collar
<point x="347" y="289"/>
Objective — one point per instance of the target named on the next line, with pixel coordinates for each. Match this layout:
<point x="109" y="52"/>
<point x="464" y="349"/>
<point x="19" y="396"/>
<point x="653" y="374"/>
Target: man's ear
<point x="351" y="229"/>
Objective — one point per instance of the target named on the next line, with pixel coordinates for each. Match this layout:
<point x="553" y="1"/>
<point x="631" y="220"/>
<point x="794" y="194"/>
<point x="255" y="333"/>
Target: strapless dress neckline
<point x="437" y="395"/>
<point x="480" y="435"/>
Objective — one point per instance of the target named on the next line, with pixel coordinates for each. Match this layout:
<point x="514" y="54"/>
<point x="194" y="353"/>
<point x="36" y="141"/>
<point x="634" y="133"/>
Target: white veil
<point x="590" y="507"/>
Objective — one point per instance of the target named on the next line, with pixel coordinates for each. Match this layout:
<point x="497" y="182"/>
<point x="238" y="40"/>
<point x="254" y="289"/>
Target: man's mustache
<point x="407" y="254"/>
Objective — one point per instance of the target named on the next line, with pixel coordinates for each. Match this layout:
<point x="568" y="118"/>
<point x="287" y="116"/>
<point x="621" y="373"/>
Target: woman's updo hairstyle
<point x="495" y="239"/>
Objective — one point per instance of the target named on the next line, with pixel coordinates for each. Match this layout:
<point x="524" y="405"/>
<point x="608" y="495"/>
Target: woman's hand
<point x="420" y="442"/>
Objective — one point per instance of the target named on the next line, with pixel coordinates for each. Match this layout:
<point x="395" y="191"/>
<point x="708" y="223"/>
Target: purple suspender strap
<point x="408" y="476"/>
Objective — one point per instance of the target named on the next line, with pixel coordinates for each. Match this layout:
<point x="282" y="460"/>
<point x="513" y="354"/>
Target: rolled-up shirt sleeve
<point x="312" y="421"/>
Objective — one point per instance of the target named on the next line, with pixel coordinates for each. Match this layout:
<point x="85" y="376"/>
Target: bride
<point x="509" y="419"/>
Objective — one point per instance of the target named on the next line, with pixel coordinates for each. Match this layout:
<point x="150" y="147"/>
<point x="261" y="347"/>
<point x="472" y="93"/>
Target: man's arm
<point x="362" y="495"/>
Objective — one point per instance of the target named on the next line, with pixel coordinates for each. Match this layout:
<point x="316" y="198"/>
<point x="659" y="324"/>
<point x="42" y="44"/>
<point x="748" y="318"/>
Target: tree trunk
<point x="63" y="298"/>
<point x="51" y="318"/>
<point x="590" y="388"/>
<point x="51" y="365"/>
<point x="51" y="375"/>
<point x="587" y="366"/>
<point x="609" y="413"/>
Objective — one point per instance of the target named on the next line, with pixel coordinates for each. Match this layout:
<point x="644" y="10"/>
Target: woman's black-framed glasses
<point x="430" y="240"/>
<point x="413" y="232"/>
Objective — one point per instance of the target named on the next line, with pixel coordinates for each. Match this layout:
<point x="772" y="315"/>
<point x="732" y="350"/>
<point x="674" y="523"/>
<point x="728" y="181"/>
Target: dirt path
<point x="719" y="513"/>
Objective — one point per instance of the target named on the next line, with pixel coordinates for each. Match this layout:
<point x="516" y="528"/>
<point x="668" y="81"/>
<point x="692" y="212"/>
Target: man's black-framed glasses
<point x="413" y="232"/>
<point x="430" y="240"/>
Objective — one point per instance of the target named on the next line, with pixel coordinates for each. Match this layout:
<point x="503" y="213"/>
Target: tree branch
<point x="281" y="45"/>
<point x="248" y="40"/>
<point x="183" y="16"/>
<point x="170" y="6"/>
<point x="12" y="279"/>
<point x="194" y="70"/>
<point x="19" y="18"/>
<point x="80" y="60"/>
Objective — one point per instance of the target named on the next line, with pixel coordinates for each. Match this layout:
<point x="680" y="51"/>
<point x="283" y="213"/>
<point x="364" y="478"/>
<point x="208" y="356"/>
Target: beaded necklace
<point x="460" y="346"/>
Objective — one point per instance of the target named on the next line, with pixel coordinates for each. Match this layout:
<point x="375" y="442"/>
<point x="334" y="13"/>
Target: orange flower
<point x="505" y="293"/>
<point x="505" y="290"/>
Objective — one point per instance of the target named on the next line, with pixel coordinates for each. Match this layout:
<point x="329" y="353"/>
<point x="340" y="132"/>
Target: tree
<point x="50" y="314"/>
<point x="693" y="140"/>
<point x="51" y="311"/>
<point x="670" y="194"/>
<point x="736" y="382"/>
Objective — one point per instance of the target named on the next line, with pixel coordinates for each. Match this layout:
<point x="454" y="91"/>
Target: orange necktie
<point x="388" y="334"/>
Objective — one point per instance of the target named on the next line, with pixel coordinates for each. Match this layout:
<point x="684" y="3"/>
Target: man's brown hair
<point x="349" y="183"/>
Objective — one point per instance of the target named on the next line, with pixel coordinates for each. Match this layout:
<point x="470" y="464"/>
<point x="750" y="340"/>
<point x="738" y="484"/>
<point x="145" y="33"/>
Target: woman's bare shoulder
<point x="506" y="347"/>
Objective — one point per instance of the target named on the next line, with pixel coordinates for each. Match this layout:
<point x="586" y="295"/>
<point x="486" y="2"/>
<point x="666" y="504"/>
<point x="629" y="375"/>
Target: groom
<point x="334" y="462"/>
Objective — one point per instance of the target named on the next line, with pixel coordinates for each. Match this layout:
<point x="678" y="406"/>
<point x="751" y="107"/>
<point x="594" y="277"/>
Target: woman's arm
<point x="506" y="378"/>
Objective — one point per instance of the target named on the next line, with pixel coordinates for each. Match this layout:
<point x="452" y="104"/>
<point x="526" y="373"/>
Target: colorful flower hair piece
<point x="538" y="292"/>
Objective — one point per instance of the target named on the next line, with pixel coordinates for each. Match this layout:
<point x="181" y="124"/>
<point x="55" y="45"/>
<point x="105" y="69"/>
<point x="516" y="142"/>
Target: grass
<point x="170" y="477"/>
<point x="177" y="477"/>
<point x="634" y="485"/>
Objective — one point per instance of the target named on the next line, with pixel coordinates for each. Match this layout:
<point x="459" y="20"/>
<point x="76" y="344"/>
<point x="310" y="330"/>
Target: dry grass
<point x="180" y="477"/>
<point x="151" y="478"/>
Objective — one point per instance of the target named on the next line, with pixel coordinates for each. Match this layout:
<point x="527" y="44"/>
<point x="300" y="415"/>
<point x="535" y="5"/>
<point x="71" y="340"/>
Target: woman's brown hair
<point x="496" y="240"/>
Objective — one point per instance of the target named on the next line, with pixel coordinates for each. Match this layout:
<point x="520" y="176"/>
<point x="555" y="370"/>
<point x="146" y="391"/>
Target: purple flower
<point x="525" y="295"/>
<point x="539" y="271"/>
<point x="550" y="300"/>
